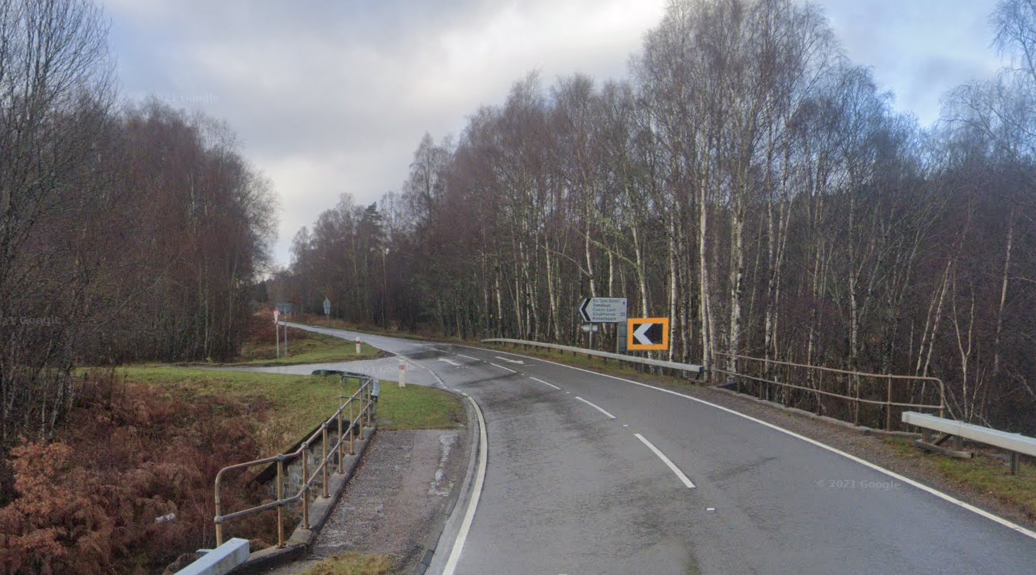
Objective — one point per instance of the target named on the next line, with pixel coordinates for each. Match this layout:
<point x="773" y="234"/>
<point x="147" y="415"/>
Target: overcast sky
<point x="333" y="96"/>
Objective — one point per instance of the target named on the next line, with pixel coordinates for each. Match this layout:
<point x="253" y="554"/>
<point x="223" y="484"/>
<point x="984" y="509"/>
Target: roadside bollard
<point x="402" y="372"/>
<point x="357" y="346"/>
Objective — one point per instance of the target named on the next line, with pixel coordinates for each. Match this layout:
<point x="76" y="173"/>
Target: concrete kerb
<point x="448" y="523"/>
<point x="320" y="509"/>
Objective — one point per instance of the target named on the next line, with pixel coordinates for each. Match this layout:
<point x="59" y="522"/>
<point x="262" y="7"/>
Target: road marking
<point x="469" y="515"/>
<point x="449" y="361"/>
<point x="502" y="367"/>
<point x="930" y="490"/>
<point x="597" y="407"/>
<point x="545" y="383"/>
<point x="468" y="357"/>
<point x="666" y="460"/>
<point x="515" y="361"/>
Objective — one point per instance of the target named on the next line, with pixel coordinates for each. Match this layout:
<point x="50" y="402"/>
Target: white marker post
<point x="277" y="329"/>
<point x="402" y="372"/>
<point x="357" y="346"/>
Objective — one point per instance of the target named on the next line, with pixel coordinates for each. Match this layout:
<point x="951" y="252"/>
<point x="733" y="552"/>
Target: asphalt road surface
<point x="589" y="474"/>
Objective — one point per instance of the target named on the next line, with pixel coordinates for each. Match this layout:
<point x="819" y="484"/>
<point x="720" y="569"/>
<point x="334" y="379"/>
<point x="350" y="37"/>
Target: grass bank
<point x="303" y="347"/>
<point x="298" y="403"/>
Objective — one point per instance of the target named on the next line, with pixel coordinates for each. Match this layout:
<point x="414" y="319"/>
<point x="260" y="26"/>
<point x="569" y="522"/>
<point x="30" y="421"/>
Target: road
<point x="592" y="474"/>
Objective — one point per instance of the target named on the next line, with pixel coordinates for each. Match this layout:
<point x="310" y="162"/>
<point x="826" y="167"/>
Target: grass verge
<point x="353" y="564"/>
<point x="299" y="403"/>
<point x="985" y="473"/>
<point x="304" y="347"/>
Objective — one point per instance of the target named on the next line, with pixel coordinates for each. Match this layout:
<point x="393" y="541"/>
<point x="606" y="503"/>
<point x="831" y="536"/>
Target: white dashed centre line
<point x="597" y="407"/>
<point x="666" y="460"/>
<point x="502" y="367"/>
<point x="545" y="383"/>
<point x="468" y="357"/>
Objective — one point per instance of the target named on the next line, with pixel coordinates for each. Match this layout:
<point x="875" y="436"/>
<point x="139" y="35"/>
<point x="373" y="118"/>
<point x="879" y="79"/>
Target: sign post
<point x="277" y="329"/>
<point x="590" y="328"/>
<point x="284" y="308"/>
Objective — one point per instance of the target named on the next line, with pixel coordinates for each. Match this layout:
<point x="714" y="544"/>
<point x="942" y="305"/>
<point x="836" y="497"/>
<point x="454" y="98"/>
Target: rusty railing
<point x="357" y="422"/>
<point x="900" y="391"/>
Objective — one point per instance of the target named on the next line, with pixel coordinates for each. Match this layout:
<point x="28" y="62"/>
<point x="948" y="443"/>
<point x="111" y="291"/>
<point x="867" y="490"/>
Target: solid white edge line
<point x="469" y="515"/>
<point x="544" y="382"/>
<point x="432" y="371"/>
<point x="665" y="460"/>
<point x="597" y="407"/>
<point x="502" y="367"/>
<point x="890" y="473"/>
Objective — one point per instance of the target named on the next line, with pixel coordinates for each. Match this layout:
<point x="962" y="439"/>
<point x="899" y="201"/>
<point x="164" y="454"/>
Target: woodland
<point x="746" y="180"/>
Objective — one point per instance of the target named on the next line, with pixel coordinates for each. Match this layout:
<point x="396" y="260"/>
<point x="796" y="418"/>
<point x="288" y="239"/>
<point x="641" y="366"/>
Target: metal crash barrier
<point x="1015" y="443"/>
<point x="697" y="370"/>
<point x="353" y="416"/>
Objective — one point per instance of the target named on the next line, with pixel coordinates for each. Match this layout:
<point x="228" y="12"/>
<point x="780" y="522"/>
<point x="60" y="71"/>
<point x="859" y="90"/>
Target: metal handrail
<point x="697" y="369"/>
<point x="889" y="378"/>
<point x="363" y="417"/>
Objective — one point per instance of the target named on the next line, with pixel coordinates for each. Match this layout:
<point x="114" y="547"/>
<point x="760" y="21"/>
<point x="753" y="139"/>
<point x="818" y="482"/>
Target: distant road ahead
<point x="588" y="474"/>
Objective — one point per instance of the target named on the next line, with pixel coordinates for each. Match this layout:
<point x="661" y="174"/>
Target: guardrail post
<point x="219" y="524"/>
<point x="942" y="398"/>
<point x="820" y="396"/>
<point x="1015" y="460"/>
<point x="352" y="425"/>
<point x="280" y="499"/>
<point x="370" y="404"/>
<point x="888" y="406"/>
<point x="305" y="486"/>
<point x="338" y="445"/>
<point x="323" y="462"/>
<point x="854" y="382"/>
